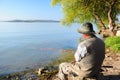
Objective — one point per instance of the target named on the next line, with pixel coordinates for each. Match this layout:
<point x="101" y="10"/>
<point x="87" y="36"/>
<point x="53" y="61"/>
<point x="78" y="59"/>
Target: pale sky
<point x="29" y="9"/>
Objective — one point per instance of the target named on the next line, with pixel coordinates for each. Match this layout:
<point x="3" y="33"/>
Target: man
<point x="88" y="57"/>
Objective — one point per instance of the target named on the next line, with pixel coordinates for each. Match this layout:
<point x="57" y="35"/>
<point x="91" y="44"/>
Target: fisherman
<point x="89" y="56"/>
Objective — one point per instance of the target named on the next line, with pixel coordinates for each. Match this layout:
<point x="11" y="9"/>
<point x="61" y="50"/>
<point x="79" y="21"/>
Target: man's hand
<point x="73" y="62"/>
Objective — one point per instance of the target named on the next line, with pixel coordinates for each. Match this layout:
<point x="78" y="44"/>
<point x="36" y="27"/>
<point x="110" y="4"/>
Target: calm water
<point x="29" y="45"/>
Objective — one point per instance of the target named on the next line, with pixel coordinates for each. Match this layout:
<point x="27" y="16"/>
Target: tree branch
<point x="100" y="21"/>
<point x="111" y="21"/>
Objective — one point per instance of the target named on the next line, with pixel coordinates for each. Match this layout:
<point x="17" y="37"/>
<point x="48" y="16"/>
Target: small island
<point x="32" y="21"/>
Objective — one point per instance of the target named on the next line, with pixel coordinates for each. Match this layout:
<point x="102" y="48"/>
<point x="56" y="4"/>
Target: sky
<point x="29" y="9"/>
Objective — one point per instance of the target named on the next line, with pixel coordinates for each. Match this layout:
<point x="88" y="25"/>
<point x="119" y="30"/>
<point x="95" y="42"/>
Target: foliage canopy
<point x="85" y="10"/>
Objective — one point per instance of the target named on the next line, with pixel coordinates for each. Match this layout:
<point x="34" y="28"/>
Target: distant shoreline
<point x="32" y="21"/>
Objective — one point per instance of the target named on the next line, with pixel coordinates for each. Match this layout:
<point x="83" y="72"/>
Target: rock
<point x="47" y="69"/>
<point x="29" y="76"/>
<point x="40" y="71"/>
<point x="118" y="33"/>
<point x="116" y="64"/>
<point x="107" y="50"/>
<point x="98" y="77"/>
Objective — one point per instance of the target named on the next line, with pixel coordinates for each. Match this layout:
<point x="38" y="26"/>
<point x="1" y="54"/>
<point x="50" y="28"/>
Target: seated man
<point x="88" y="57"/>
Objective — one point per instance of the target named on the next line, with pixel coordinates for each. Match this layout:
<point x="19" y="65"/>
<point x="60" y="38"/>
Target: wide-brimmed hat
<point x="87" y="28"/>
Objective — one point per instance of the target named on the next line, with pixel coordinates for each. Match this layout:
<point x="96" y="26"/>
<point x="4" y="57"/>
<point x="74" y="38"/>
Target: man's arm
<point x="81" y="52"/>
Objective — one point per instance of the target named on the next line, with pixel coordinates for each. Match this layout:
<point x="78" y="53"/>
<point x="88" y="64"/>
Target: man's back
<point x="91" y="63"/>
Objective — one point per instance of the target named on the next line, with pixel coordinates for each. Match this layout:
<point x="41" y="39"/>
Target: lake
<point x="26" y="46"/>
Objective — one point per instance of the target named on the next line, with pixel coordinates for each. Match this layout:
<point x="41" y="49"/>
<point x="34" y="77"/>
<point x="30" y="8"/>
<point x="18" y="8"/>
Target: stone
<point x="116" y="64"/>
<point x="47" y="69"/>
<point x="40" y="71"/>
<point x="118" y="33"/>
<point x="98" y="77"/>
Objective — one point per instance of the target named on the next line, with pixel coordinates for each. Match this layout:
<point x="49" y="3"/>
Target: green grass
<point x="67" y="56"/>
<point x="113" y="43"/>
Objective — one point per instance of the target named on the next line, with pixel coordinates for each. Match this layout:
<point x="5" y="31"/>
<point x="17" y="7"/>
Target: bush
<point x="113" y="43"/>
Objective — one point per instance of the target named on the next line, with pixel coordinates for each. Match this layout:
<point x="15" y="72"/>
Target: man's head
<point x="86" y="30"/>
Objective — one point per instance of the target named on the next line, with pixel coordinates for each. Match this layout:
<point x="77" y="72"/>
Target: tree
<point x="100" y="12"/>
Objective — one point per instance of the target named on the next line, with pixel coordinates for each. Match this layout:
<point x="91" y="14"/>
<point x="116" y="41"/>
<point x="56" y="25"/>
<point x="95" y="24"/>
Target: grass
<point x="65" y="56"/>
<point x="113" y="43"/>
